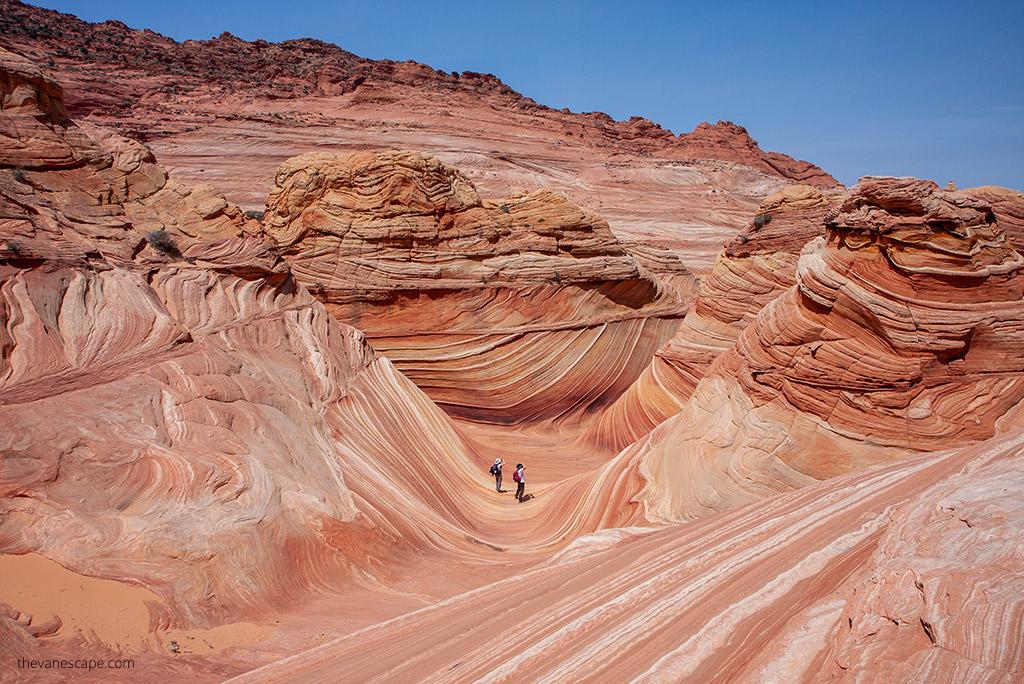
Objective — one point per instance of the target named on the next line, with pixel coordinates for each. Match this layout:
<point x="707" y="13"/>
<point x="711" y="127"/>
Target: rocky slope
<point x="229" y="112"/>
<point x="898" y="336"/>
<point x="180" y="421"/>
<point x="902" y="572"/>
<point x="505" y="311"/>
<point x="752" y="270"/>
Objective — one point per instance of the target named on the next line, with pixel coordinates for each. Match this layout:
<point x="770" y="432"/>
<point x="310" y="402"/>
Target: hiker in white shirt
<point x="496" y="472"/>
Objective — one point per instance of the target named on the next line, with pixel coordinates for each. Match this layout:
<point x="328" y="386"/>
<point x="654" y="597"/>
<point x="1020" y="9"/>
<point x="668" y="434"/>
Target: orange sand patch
<point x="116" y="614"/>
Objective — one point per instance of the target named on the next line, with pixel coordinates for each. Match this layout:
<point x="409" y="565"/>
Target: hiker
<point x="520" y="480"/>
<point x="496" y="472"/>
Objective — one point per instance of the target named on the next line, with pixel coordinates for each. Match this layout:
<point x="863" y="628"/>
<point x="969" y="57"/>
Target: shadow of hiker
<point x="526" y="497"/>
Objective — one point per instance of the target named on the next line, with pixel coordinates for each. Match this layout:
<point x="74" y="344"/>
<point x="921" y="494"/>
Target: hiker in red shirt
<point x="520" y="480"/>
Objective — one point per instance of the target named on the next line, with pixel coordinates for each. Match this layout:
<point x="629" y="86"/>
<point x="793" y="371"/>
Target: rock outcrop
<point x="898" y="337"/>
<point x="752" y="270"/>
<point x="504" y="311"/>
<point x="225" y="94"/>
<point x="907" y="571"/>
<point x="1008" y="206"/>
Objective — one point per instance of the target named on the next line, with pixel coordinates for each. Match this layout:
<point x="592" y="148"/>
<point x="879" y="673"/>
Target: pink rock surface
<point x="897" y="337"/>
<point x="502" y="311"/>
<point x="228" y="112"/>
<point x="181" y="415"/>
<point x="863" y="577"/>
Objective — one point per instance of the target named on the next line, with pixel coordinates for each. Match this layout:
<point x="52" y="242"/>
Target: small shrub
<point x="504" y="208"/>
<point x="255" y="214"/>
<point x="762" y="220"/>
<point x="19" y="175"/>
<point x="161" y="241"/>
<point x="13" y="246"/>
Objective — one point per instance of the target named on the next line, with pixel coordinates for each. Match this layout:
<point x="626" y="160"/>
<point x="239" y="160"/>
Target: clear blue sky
<point x="928" y="89"/>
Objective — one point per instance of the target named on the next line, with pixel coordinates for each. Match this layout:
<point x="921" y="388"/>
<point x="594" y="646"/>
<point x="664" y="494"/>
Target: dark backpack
<point x="516" y="477"/>
<point x="494" y="469"/>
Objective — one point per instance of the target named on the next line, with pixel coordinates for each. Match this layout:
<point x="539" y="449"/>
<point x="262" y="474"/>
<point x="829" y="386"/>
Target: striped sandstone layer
<point x="502" y="311"/>
<point x="898" y="337"/>
<point x="753" y="269"/>
<point x="190" y="440"/>
<point x="180" y="418"/>
<point x="908" y="571"/>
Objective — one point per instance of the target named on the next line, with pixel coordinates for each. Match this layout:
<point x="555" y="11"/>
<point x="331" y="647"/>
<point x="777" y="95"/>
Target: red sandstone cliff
<point x="229" y="112"/>
<point x="117" y="56"/>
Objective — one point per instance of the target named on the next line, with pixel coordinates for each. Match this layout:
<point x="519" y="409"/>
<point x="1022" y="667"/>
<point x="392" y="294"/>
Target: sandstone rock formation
<point x="228" y="112"/>
<point x="753" y="269"/>
<point x="177" y="412"/>
<point x="907" y="571"/>
<point x="899" y="336"/>
<point x="201" y="468"/>
<point x="1008" y="206"/>
<point x="191" y="435"/>
<point x="504" y="311"/>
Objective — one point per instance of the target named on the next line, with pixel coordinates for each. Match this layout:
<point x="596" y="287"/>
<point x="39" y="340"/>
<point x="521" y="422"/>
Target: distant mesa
<point x="308" y="67"/>
<point x="300" y="96"/>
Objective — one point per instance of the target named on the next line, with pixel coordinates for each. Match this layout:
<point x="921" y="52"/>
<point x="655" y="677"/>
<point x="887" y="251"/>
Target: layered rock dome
<point x="752" y="270"/>
<point x="898" y="337"/>
<point x="504" y="311"/>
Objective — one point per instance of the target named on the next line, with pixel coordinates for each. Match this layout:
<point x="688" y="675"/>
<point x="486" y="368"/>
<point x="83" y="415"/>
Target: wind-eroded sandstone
<point x="228" y="112"/>
<point x="753" y="269"/>
<point x="898" y="337"/>
<point x="509" y="310"/>
<point x="183" y="424"/>
<point x="906" y="571"/>
<point x="177" y="412"/>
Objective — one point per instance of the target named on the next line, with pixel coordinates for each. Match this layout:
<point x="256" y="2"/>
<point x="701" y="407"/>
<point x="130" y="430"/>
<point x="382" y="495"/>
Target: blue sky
<point x="927" y="89"/>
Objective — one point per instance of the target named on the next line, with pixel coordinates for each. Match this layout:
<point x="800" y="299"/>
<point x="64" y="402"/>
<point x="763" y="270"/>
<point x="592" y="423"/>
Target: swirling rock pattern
<point x="181" y="421"/>
<point x="180" y="413"/>
<point x="752" y="270"/>
<point x="503" y="311"/>
<point x="906" y="571"/>
<point x="898" y="337"/>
